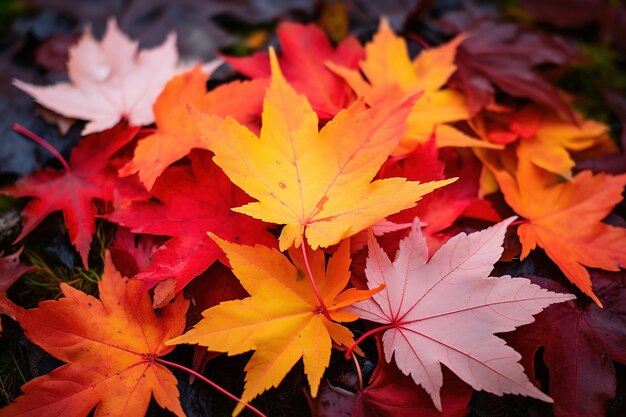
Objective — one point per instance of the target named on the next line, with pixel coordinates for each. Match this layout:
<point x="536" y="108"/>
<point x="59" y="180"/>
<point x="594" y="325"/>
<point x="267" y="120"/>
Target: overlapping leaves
<point x="318" y="157"/>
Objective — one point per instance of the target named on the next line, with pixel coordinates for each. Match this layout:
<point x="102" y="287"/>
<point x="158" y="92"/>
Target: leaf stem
<point x="365" y="335"/>
<point x="359" y="374"/>
<point x="41" y="141"/>
<point x="211" y="383"/>
<point x="315" y="290"/>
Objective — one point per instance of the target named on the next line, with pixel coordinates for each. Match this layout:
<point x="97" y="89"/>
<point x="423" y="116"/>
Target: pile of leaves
<point x="355" y="212"/>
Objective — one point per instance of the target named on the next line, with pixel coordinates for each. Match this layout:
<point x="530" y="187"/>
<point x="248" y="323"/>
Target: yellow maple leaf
<point x="391" y="75"/>
<point x="282" y="319"/>
<point x="316" y="183"/>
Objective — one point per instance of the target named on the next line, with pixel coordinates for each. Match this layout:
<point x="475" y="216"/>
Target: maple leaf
<point x="110" y="346"/>
<point x="580" y="340"/>
<point x="439" y="210"/>
<point x="305" y="49"/>
<point x="317" y="184"/>
<point x="446" y="311"/>
<point x="505" y="55"/>
<point x="129" y="254"/>
<point x="552" y="208"/>
<point x="547" y="138"/>
<point x="389" y="393"/>
<point x="392" y="75"/>
<point x="88" y="176"/>
<point x="109" y="80"/>
<point x="176" y="134"/>
<point x="10" y="270"/>
<point x="192" y="201"/>
<point x="280" y="332"/>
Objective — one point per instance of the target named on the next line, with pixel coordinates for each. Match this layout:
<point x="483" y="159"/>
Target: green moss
<point x="44" y="282"/>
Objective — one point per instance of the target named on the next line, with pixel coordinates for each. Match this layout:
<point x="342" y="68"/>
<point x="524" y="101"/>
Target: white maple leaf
<point x="109" y="80"/>
<point x="446" y="311"/>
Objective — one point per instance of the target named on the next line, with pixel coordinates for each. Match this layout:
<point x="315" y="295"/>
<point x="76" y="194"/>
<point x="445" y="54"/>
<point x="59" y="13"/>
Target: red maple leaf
<point x="439" y="210"/>
<point x="389" y="393"/>
<point x="87" y="177"/>
<point x="193" y="200"/>
<point x="305" y="49"/>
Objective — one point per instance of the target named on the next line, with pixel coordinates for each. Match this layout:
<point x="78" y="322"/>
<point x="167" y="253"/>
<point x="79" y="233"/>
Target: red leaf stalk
<point x="211" y="383"/>
<point x="36" y="138"/>
<point x="315" y="290"/>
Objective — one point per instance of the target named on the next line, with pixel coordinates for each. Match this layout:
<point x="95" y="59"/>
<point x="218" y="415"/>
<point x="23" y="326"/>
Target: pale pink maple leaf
<point x="110" y="80"/>
<point x="446" y="311"/>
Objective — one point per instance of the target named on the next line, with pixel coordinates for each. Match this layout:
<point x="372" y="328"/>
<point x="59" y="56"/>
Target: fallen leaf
<point x="391" y="393"/>
<point x="110" y="346"/>
<point x="110" y="80"/>
<point x="391" y="75"/>
<point x="192" y="201"/>
<point x="551" y="208"/>
<point x="441" y="209"/>
<point x="10" y="270"/>
<point x="550" y="140"/>
<point x="446" y="311"/>
<point x="305" y="49"/>
<point x="317" y="184"/>
<point x="280" y="332"/>
<point x="580" y="340"/>
<point x="506" y="56"/>
<point x="131" y="253"/>
<point x="88" y="177"/>
<point x="176" y="134"/>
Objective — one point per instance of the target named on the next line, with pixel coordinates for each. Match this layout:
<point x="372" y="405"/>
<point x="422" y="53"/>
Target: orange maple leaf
<point x="565" y="218"/>
<point x="391" y="75"/>
<point x="316" y="183"/>
<point x="548" y="139"/>
<point x="176" y="133"/>
<point x="110" y="346"/>
<point x="282" y="319"/>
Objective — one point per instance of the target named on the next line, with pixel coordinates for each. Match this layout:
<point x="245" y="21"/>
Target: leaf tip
<point x="384" y="24"/>
<point x="215" y="238"/>
<point x="274" y="65"/>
